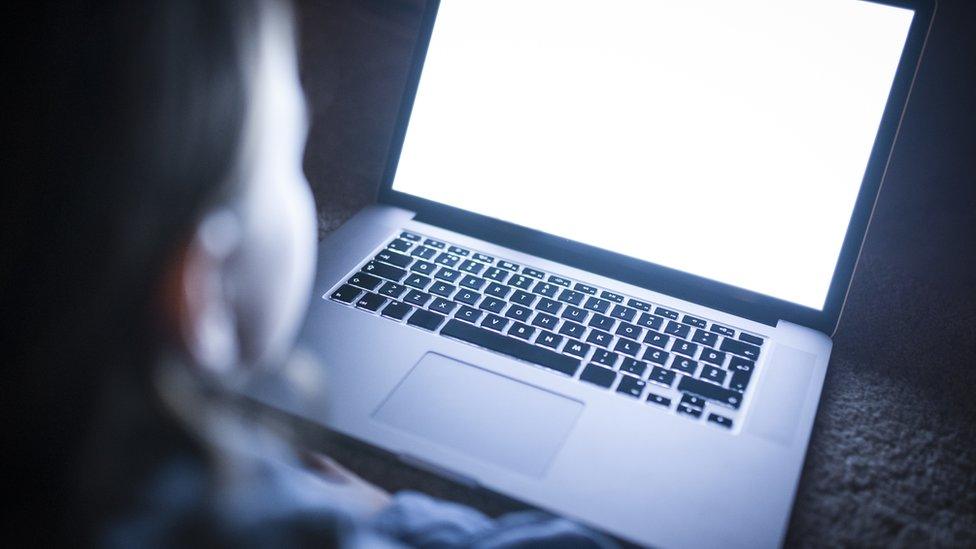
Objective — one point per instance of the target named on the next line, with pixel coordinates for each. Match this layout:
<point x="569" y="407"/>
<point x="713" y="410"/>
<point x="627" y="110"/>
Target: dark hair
<point x="140" y="110"/>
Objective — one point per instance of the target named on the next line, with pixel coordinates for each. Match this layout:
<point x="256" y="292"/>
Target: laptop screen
<point x="726" y="139"/>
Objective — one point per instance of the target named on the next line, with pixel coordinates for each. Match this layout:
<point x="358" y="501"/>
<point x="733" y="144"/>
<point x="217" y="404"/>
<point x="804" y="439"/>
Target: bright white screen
<point x="723" y="138"/>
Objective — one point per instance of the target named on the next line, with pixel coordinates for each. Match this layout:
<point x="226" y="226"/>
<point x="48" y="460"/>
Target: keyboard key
<point x="442" y="306"/>
<point x="521" y="281"/>
<point x="547" y="305"/>
<point x="710" y="391"/>
<point x="612" y="296"/>
<point x="705" y="338"/>
<point x="713" y="356"/>
<point x="576" y="348"/>
<point x="521" y="331"/>
<point x="633" y="366"/>
<point x="522" y="298"/>
<point x="434" y="243"/>
<point x="546" y="289"/>
<point x="425" y="319"/>
<point x="559" y="280"/>
<point x="471" y="267"/>
<point x="739" y="348"/>
<point x="393" y="258"/>
<point x="572" y="329"/>
<point x="484" y="258"/>
<point x="668" y="313"/>
<point x="423" y="252"/>
<point x="497" y="290"/>
<point x="598" y="375"/>
<point x="604" y="358"/>
<point x="720" y="420"/>
<point x="468" y="314"/>
<point x="418" y="298"/>
<point x="346" y="293"/>
<point x="661" y="376"/>
<point x="400" y="245"/>
<point x="396" y="310"/>
<point x="749" y="338"/>
<point x="658" y="340"/>
<point x="447" y="259"/>
<point x="571" y="297"/>
<point x="599" y="337"/>
<point x="519" y="313"/>
<point x="575" y="314"/>
<point x="713" y="374"/>
<point x="628" y="330"/>
<point x="472" y="282"/>
<point x="492" y="304"/>
<point x="495" y="322"/>
<point x="447" y="275"/>
<point x="467" y="296"/>
<point x="659" y="400"/>
<point x="693" y="401"/>
<point x="584" y="288"/>
<point x="392" y="289"/>
<point x="696" y="322"/>
<point x="685" y="348"/>
<point x="533" y="273"/>
<point x="417" y="280"/>
<point x="623" y="312"/>
<point x="365" y="281"/>
<point x="727" y="332"/>
<point x="508" y="265"/>
<point x="496" y="274"/>
<point x="631" y="386"/>
<point x="677" y="329"/>
<point x="548" y="339"/>
<point x="649" y="321"/>
<point x="597" y="304"/>
<point x="442" y="288"/>
<point x="640" y="305"/>
<point x="511" y="347"/>
<point x="627" y="347"/>
<point x="739" y="364"/>
<point x="688" y="410"/>
<point x="684" y="365"/>
<point x="740" y="380"/>
<point x="410" y="236"/>
<point x="371" y="301"/>
<point x="545" y="321"/>
<point x="657" y="356"/>
<point x="459" y="251"/>
<point x="601" y="322"/>
<point x="425" y="268"/>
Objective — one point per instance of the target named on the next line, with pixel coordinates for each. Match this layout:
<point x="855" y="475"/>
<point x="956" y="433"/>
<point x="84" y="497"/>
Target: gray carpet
<point x="892" y="461"/>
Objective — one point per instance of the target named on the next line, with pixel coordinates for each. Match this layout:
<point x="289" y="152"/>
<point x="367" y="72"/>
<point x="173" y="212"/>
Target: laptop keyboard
<point x="670" y="360"/>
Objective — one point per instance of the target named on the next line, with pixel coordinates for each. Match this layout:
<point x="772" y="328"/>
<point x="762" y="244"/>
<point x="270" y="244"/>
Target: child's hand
<point x="349" y="487"/>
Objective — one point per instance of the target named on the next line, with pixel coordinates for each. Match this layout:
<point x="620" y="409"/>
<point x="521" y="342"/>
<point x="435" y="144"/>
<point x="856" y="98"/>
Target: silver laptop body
<point x="664" y="407"/>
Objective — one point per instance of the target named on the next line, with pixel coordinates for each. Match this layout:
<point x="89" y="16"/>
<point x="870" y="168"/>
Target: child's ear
<point x="198" y="299"/>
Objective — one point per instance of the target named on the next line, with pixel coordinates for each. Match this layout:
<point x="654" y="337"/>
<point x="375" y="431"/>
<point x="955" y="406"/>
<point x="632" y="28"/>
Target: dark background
<point x="892" y="460"/>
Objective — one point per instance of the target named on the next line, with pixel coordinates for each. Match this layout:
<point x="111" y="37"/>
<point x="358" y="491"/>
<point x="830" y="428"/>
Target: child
<point x="170" y="252"/>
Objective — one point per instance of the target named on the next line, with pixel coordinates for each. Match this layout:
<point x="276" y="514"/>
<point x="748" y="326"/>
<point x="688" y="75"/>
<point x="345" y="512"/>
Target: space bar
<point x="511" y="347"/>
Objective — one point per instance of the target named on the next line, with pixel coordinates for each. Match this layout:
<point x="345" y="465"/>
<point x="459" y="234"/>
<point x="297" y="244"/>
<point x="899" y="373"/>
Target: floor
<point x="892" y="460"/>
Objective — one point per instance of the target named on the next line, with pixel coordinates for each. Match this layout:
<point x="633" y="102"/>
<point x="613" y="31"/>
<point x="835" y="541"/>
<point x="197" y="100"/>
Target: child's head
<point x="176" y="217"/>
<point x="168" y="215"/>
<point x="236" y="283"/>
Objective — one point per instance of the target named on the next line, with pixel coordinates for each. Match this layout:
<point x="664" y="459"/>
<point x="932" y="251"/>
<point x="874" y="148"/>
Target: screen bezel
<point x="717" y="295"/>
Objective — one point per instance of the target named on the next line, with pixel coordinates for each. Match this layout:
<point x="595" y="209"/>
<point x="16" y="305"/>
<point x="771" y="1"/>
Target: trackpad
<point x="481" y="414"/>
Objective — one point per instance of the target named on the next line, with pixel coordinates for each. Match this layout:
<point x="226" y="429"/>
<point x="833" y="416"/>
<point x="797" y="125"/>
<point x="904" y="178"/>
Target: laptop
<point x="611" y="245"/>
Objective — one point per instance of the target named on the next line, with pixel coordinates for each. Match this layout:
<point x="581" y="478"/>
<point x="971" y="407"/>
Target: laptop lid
<point x="726" y="153"/>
